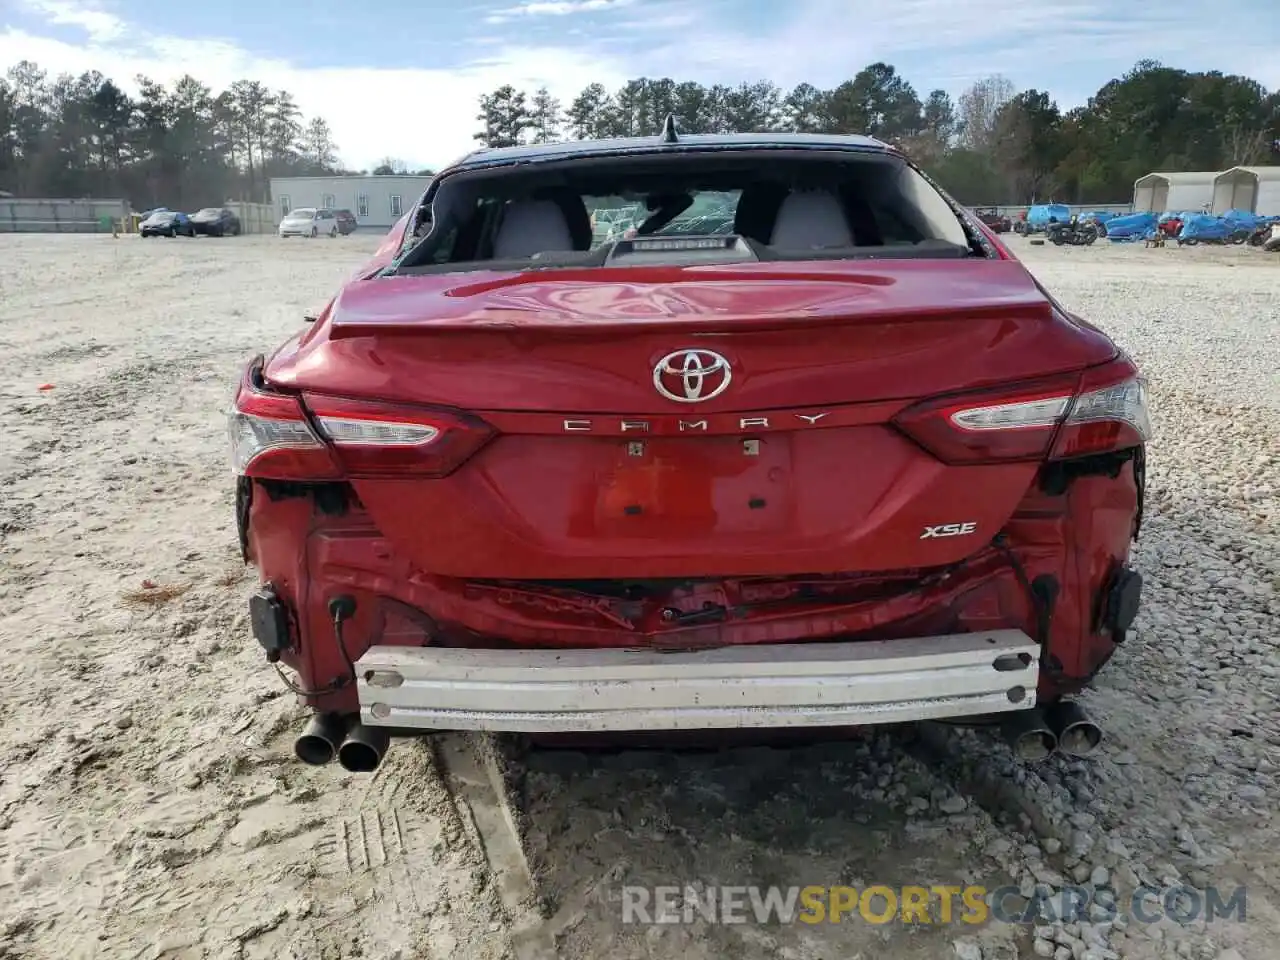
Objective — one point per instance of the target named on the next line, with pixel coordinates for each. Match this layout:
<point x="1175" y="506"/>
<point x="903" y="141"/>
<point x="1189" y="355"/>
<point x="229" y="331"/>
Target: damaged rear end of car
<point x="835" y="460"/>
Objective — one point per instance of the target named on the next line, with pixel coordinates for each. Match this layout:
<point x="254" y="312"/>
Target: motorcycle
<point x="1074" y="234"/>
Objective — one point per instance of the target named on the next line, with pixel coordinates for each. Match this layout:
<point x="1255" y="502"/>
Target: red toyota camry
<point x="836" y="459"/>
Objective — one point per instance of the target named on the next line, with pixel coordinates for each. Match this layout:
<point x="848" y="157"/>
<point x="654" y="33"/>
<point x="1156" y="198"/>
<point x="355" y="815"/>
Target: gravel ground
<point x="150" y="805"/>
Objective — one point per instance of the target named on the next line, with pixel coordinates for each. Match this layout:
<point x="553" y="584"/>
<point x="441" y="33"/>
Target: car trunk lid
<point x="595" y="472"/>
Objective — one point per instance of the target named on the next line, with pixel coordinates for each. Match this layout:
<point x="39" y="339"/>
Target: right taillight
<point x="1062" y="417"/>
<point x="1110" y="413"/>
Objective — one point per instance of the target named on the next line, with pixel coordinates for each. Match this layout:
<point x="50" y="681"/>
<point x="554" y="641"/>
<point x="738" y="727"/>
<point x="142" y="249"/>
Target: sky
<point x="401" y="78"/>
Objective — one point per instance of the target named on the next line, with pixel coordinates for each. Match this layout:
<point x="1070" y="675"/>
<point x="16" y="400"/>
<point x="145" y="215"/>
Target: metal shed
<point x="1256" y="189"/>
<point x="1158" y="192"/>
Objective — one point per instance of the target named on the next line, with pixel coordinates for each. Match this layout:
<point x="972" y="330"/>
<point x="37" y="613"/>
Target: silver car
<point x="309" y="222"/>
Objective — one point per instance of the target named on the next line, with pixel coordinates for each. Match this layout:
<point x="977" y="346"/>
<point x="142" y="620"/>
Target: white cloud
<point x="553" y="8"/>
<point x="100" y="25"/>
<point x="426" y="116"/>
<point x="423" y="116"/>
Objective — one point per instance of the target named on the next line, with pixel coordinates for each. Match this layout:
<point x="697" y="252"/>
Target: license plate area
<point x="693" y="487"/>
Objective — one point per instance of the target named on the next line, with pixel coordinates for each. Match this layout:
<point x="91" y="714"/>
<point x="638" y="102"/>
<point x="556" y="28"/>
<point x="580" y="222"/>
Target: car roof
<point x="543" y="152"/>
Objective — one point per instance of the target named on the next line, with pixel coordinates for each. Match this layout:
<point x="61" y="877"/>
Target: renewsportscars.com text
<point x="935" y="904"/>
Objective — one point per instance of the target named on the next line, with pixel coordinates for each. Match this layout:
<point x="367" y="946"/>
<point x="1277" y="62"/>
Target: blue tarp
<point x="1100" y="216"/>
<point x="1131" y="226"/>
<point x="1200" y="226"/>
<point x="1039" y="215"/>
<point x="1244" y="220"/>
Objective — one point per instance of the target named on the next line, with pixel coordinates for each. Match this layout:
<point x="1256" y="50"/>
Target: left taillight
<point x="1101" y="410"/>
<point x="281" y="436"/>
<point x="271" y="437"/>
<point x="372" y="439"/>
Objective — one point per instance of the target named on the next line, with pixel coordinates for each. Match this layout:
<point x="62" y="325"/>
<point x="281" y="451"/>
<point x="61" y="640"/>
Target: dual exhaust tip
<point x="1064" y="726"/>
<point x="359" y="749"/>
<point x="1034" y="735"/>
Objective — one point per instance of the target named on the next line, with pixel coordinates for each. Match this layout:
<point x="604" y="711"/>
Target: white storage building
<point x="376" y="201"/>
<point x="1159" y="192"/>
<point x="1255" y="189"/>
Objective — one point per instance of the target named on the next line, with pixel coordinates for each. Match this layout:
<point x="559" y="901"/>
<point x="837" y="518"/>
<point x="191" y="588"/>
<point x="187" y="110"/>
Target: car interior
<point x="802" y="209"/>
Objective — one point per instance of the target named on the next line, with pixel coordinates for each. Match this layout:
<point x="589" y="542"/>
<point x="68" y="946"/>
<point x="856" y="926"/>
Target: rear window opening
<point x="695" y="207"/>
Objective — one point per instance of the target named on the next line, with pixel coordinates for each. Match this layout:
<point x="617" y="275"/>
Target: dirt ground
<point x="150" y="805"/>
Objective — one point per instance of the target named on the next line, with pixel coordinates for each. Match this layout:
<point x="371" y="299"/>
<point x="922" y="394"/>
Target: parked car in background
<point x="166" y="223"/>
<point x="347" y="222"/>
<point x="216" y="222"/>
<point x="998" y="222"/>
<point x="309" y="222"/>
<point x="843" y="462"/>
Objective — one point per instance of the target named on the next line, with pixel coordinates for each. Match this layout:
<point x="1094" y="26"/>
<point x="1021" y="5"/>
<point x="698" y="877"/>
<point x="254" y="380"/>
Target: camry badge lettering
<point x="685" y="426"/>
<point x="949" y="530"/>
<point x="691" y="376"/>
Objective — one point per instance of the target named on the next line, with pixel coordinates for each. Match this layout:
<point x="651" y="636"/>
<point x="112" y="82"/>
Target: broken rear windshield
<point x="705" y="206"/>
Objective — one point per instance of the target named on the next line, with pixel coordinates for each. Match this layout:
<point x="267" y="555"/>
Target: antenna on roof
<point x="669" y="134"/>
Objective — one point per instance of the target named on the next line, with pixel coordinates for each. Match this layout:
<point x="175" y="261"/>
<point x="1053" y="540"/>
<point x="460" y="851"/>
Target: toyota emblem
<point x="690" y="376"/>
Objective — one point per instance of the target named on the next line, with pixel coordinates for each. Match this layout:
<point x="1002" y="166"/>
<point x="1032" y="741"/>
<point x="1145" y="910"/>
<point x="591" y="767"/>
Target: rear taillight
<point x="1109" y="414"/>
<point x="1100" y="410"/>
<point x="271" y="438"/>
<point x="279" y="436"/>
<point x="373" y="439"/>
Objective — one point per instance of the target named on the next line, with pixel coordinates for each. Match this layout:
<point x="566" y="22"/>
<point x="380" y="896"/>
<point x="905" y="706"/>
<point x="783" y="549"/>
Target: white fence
<point x="1013" y="211"/>
<point x="42" y="215"/>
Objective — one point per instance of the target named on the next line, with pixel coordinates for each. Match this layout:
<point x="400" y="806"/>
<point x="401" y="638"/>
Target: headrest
<point x="529" y="227"/>
<point x="811" y="219"/>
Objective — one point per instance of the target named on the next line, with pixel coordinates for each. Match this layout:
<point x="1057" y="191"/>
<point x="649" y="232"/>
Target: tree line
<point x="186" y="146"/>
<point x="183" y="146"/>
<point x="993" y="144"/>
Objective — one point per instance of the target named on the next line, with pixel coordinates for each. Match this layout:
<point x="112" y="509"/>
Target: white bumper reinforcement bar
<point x="773" y="685"/>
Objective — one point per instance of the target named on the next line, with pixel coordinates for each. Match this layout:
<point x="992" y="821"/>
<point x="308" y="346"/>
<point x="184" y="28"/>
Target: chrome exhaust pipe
<point x="318" y="743"/>
<point x="1078" y="736"/>
<point x="1029" y="734"/>
<point x="363" y="749"/>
